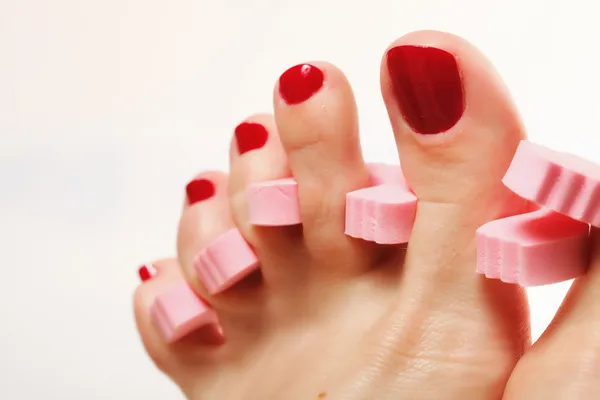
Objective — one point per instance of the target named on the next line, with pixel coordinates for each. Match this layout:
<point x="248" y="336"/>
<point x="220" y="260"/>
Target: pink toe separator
<point x="536" y="248"/>
<point x="226" y="261"/>
<point x="385" y="212"/>
<point x="560" y="182"/>
<point x="273" y="203"/>
<point x="551" y="244"/>
<point x="178" y="311"/>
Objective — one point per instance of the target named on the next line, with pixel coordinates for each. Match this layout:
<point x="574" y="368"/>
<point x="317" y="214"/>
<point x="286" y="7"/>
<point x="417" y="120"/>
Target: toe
<point x="456" y="131"/>
<point x="317" y="121"/>
<point x="214" y="255"/>
<point x="256" y="156"/>
<point x="269" y="221"/>
<point x="204" y="218"/>
<point x="159" y="278"/>
<point x="455" y="124"/>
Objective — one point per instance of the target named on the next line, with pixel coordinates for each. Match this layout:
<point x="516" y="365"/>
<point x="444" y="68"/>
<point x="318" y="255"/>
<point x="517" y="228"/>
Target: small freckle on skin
<point x="322" y="395"/>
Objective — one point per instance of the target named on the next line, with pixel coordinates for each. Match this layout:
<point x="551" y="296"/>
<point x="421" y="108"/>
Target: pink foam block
<point x="536" y="248"/>
<point x="178" y="311"/>
<point x="273" y="203"/>
<point x="385" y="212"/>
<point x="559" y="181"/>
<point x="225" y="261"/>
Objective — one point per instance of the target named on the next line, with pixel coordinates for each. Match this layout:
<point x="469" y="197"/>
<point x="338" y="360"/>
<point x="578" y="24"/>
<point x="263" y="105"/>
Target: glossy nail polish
<point x="199" y="190"/>
<point x="146" y="272"/>
<point x="428" y="87"/>
<point x="299" y="83"/>
<point x="250" y="136"/>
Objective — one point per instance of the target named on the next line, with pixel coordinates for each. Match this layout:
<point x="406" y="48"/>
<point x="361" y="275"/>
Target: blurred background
<point x="107" y="108"/>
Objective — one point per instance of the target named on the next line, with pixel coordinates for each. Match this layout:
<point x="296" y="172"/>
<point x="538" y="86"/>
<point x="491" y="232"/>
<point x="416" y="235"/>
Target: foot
<point x="329" y="316"/>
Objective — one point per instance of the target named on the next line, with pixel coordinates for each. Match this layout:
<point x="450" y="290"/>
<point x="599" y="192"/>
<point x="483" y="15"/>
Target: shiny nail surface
<point x="428" y="87"/>
<point x="199" y="190"/>
<point x="146" y="272"/>
<point x="300" y="83"/>
<point x="250" y="136"/>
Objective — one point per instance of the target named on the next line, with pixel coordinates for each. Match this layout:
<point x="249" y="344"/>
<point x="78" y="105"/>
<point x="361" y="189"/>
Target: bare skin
<point x="337" y="318"/>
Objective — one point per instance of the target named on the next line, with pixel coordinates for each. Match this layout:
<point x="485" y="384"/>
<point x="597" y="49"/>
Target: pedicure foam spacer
<point x="561" y="182"/>
<point x="385" y="212"/>
<point x="226" y="261"/>
<point x="536" y="248"/>
<point x="551" y="244"/>
<point x="178" y="311"/>
<point x="273" y="203"/>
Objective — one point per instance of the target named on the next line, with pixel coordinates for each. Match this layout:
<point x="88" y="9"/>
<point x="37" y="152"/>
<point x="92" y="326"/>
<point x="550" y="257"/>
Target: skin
<point x="338" y="318"/>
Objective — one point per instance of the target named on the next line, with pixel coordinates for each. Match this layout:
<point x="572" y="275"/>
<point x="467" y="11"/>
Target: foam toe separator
<point x="537" y="248"/>
<point x="385" y="212"/>
<point x="226" y="261"/>
<point x="273" y="203"/>
<point x="382" y="214"/>
<point x="551" y="244"/>
<point x="178" y="311"/>
<point x="558" y="181"/>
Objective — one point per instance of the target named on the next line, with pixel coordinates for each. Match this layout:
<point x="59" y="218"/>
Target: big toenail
<point x="300" y="82"/>
<point x="199" y="190"/>
<point x="146" y="272"/>
<point x="250" y="136"/>
<point x="428" y="88"/>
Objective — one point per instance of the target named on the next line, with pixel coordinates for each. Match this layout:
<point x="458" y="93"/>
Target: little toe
<point x="189" y="314"/>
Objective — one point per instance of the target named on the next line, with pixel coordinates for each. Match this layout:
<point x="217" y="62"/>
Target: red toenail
<point x="146" y="272"/>
<point x="250" y="136"/>
<point x="427" y="85"/>
<point x="300" y="82"/>
<point x="199" y="190"/>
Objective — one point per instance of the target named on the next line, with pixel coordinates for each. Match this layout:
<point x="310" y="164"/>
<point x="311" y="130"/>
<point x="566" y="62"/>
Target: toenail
<point x="300" y="82"/>
<point x="428" y="88"/>
<point x="199" y="190"/>
<point x="250" y="136"/>
<point x="146" y="272"/>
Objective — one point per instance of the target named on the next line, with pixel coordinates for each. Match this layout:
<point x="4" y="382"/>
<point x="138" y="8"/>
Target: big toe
<point x="456" y="130"/>
<point x="455" y="124"/>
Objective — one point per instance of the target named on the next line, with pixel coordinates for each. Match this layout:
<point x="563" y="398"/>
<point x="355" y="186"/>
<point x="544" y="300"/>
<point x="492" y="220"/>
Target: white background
<point x="108" y="107"/>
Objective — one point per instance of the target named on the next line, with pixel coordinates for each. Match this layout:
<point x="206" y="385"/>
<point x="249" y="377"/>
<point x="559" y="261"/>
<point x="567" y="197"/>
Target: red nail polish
<point x="428" y="87"/>
<point x="250" y="136"/>
<point x="146" y="272"/>
<point x="199" y="190"/>
<point x="300" y="82"/>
